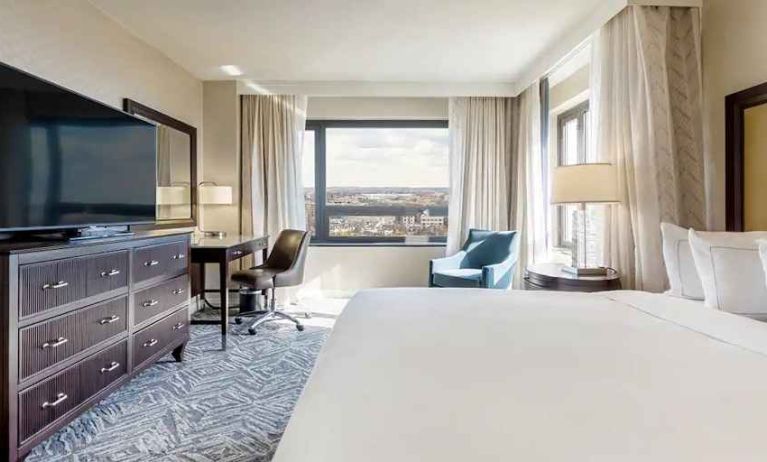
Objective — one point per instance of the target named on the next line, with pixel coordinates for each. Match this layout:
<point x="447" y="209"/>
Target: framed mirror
<point x="176" y="167"/>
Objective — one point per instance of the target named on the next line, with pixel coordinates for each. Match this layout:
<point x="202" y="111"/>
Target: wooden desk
<point x="223" y="251"/>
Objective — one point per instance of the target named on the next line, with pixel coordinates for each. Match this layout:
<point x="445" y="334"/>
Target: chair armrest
<point x="499" y="275"/>
<point x="451" y="262"/>
<point x="440" y="264"/>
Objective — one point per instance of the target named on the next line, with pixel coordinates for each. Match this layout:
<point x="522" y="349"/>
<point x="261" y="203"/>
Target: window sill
<point x="376" y="244"/>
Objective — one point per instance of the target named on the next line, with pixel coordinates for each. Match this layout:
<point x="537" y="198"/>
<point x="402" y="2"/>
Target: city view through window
<point x="381" y="183"/>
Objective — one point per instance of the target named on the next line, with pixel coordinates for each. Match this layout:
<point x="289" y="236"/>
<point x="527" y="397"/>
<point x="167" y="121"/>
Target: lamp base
<point x="218" y="234"/>
<point x="594" y="271"/>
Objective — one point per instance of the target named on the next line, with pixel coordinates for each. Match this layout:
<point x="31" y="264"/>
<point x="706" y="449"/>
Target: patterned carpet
<point x="215" y="406"/>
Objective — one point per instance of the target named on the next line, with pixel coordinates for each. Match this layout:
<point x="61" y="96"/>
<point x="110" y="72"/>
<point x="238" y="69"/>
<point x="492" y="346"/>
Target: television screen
<point x="67" y="161"/>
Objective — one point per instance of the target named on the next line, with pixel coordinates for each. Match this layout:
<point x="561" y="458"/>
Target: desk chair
<point x="283" y="268"/>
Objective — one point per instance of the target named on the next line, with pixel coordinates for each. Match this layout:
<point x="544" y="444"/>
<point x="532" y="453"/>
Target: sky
<point x="375" y="157"/>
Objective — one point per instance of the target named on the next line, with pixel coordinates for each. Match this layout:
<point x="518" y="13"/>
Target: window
<point x="376" y="181"/>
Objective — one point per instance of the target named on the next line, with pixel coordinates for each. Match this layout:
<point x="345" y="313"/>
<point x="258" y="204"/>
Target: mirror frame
<point x="135" y="108"/>
<point x="735" y="107"/>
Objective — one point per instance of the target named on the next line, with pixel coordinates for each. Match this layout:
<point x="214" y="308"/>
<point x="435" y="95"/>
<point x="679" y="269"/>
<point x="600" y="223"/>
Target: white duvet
<point x="449" y="375"/>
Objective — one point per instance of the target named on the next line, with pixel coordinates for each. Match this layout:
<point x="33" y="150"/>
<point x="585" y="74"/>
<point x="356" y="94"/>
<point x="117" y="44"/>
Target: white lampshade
<point x="582" y="183"/>
<point x="215" y="195"/>
<point x="172" y="195"/>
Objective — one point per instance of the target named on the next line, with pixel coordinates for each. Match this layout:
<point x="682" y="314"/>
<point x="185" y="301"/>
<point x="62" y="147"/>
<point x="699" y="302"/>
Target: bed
<point x="469" y="375"/>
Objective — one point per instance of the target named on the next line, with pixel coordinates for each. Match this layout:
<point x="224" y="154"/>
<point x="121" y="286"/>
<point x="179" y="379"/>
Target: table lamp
<point x="583" y="184"/>
<point x="209" y="193"/>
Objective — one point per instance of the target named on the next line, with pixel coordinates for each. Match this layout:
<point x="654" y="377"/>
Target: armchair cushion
<point x="466" y="277"/>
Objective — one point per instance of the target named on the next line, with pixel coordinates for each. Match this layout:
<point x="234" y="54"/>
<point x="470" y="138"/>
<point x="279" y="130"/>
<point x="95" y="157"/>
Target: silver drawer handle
<point x="178" y="325"/>
<point x="151" y="263"/>
<point x="178" y="291"/>
<point x="56" y="343"/>
<point x="109" y="320"/>
<point x="57" y="285"/>
<point x="150" y="343"/>
<point x="60" y="398"/>
<point x="109" y="274"/>
<point x="112" y="366"/>
<point x="237" y="253"/>
<point x="149" y="303"/>
<point x="179" y="256"/>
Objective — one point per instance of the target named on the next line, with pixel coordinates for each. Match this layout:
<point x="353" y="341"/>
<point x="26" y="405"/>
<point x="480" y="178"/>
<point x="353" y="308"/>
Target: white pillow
<point x="680" y="266"/>
<point x="731" y="270"/>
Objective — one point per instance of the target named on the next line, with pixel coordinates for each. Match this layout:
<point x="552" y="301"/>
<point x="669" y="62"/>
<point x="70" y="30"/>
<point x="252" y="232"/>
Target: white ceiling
<point x="482" y="41"/>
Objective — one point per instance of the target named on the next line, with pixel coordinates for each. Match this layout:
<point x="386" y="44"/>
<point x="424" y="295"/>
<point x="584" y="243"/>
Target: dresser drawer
<point x="44" y="344"/>
<point x="159" y="299"/>
<point x="107" y="272"/>
<point x="43" y="286"/>
<point x="159" y="260"/>
<point x="97" y="372"/>
<point x="159" y="335"/>
<point x="49" y="400"/>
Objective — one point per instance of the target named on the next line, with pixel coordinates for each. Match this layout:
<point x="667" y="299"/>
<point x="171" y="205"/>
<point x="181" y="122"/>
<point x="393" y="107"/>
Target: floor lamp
<point x="583" y="184"/>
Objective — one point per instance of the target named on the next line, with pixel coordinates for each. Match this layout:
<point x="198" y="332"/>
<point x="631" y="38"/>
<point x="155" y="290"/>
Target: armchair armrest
<point x="499" y="275"/>
<point x="439" y="264"/>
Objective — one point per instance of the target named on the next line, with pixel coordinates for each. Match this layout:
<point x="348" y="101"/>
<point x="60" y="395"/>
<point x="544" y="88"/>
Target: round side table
<point x="549" y="276"/>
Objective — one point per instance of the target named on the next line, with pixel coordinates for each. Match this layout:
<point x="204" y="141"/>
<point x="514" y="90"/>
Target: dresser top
<point x="14" y="246"/>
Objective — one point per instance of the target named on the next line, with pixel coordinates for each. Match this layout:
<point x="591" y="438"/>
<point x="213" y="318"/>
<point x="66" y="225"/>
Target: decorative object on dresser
<point x="581" y="184"/>
<point x="552" y="276"/>
<point x="222" y="251"/>
<point x="78" y="320"/>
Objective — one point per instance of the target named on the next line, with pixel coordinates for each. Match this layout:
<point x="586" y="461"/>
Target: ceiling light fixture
<point x="232" y="70"/>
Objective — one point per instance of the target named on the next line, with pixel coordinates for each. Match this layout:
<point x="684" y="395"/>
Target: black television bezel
<point x="87" y="225"/>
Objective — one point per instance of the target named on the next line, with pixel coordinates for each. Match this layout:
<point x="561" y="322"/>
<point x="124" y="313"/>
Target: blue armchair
<point x="488" y="260"/>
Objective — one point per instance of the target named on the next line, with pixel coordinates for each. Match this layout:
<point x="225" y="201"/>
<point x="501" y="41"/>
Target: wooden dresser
<point x="77" y="320"/>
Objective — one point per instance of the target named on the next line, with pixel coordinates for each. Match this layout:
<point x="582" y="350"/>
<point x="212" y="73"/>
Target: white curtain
<point x="527" y="194"/>
<point x="272" y="129"/>
<point x="496" y="171"/>
<point x="646" y="97"/>
<point x="481" y="150"/>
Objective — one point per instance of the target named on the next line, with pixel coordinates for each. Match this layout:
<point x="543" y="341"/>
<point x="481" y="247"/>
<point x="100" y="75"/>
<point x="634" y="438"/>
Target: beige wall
<point x="734" y="58"/>
<point x="570" y="91"/>
<point x="221" y="158"/>
<point x="341" y="271"/>
<point x="376" y="108"/>
<point x="73" y="44"/>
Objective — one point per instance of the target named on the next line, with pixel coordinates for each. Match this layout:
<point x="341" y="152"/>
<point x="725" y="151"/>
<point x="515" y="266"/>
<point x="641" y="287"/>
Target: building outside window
<point x="376" y="181"/>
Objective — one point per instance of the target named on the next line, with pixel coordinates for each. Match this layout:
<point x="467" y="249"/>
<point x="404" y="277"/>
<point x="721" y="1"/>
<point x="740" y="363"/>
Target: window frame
<point x="323" y="211"/>
<point x="578" y="113"/>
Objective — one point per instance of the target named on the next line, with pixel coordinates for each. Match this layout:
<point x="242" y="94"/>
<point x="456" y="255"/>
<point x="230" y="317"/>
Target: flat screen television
<point x="67" y="161"/>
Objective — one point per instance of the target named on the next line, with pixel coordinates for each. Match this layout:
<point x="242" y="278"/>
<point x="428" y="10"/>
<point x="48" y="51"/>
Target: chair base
<point x="268" y="315"/>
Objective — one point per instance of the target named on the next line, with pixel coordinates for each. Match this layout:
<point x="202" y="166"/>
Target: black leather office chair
<point x="283" y="268"/>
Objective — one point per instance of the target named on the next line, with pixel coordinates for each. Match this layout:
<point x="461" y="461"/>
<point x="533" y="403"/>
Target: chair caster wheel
<point x="300" y="327"/>
<point x="252" y="331"/>
<point x="238" y="320"/>
<point x="308" y="315"/>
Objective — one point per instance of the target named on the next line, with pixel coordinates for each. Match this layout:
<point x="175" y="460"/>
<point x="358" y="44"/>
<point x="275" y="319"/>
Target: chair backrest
<point x="485" y="247"/>
<point x="289" y="255"/>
